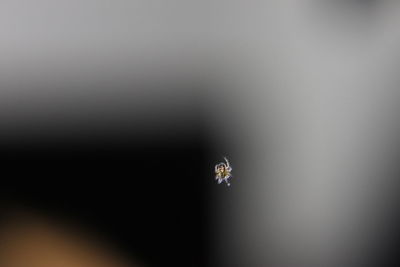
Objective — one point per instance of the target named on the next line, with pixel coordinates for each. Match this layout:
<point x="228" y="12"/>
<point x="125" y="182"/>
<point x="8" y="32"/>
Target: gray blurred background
<point x="301" y="95"/>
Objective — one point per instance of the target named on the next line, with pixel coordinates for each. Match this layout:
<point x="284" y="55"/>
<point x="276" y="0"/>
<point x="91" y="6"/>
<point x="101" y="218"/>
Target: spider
<point x="223" y="172"/>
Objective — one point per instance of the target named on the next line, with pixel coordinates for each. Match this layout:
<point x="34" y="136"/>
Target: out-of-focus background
<point x="300" y="95"/>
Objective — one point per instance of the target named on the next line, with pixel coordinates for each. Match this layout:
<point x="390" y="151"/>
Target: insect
<point x="223" y="172"/>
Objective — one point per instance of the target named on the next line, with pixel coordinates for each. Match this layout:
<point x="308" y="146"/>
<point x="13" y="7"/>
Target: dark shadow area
<point x="147" y="195"/>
